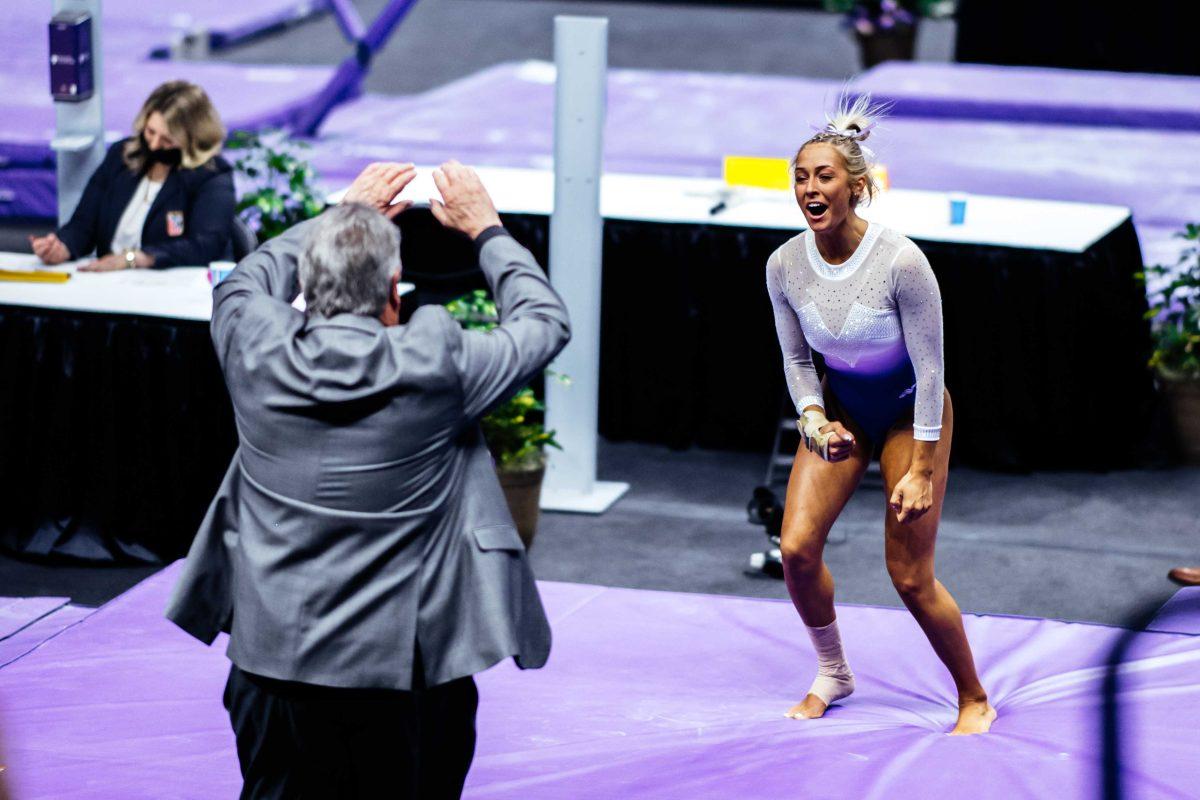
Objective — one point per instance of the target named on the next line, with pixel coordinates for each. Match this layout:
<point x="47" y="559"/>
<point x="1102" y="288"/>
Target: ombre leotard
<point x="876" y="319"/>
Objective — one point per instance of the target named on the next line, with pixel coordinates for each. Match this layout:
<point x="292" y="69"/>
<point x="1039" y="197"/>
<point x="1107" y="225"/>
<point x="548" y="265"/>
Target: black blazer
<point x="189" y="222"/>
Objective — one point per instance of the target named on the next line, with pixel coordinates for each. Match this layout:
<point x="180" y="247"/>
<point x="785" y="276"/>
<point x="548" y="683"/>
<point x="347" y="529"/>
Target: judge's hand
<point x="378" y="185"/>
<point x="49" y="249"/>
<point x="115" y="261"/>
<point x="465" y="205"/>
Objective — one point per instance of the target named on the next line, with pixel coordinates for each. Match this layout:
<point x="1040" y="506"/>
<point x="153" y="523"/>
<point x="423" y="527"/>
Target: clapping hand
<point x="465" y="205"/>
<point x="49" y="249"/>
<point x="378" y="185"/>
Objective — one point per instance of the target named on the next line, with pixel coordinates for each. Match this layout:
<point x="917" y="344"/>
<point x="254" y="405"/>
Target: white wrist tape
<point x="809" y="425"/>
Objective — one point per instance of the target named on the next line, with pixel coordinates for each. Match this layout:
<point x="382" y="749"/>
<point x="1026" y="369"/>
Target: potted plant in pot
<point x="886" y="30"/>
<point x="277" y="185"/>
<point x="1175" y="311"/>
<point x="514" y="430"/>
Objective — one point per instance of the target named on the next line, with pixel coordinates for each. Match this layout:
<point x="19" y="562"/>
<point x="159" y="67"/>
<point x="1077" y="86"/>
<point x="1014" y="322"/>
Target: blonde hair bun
<point x="851" y="123"/>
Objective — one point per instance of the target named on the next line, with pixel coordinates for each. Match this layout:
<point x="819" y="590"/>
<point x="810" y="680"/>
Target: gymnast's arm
<point x="798" y="369"/>
<point x="919" y="302"/>
<point x="830" y="440"/>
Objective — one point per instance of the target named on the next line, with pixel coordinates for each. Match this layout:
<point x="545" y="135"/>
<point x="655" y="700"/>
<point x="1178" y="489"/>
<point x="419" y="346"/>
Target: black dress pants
<point x="297" y="740"/>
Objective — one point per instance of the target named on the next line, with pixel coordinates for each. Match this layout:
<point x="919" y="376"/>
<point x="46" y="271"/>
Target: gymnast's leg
<point x="817" y="492"/>
<point x="910" y="549"/>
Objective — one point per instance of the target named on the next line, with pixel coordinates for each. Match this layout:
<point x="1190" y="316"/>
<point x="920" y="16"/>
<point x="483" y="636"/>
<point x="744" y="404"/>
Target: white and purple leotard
<point x="877" y="320"/>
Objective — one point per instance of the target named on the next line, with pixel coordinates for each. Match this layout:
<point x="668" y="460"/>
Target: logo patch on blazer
<point x="174" y="223"/>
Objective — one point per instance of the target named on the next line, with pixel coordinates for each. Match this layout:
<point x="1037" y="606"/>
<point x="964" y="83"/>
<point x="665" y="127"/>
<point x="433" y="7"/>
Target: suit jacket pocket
<point x="498" y="537"/>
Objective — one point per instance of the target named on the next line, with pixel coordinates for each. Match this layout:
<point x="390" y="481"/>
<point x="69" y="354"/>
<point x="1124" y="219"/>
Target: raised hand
<point x="378" y="185"/>
<point x="49" y="249"/>
<point x="465" y="205"/>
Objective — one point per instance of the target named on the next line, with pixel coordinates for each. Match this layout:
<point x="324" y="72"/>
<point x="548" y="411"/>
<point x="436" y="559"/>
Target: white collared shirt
<point x="133" y="219"/>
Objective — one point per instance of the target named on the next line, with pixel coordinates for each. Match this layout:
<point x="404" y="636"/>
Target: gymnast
<point x="864" y="297"/>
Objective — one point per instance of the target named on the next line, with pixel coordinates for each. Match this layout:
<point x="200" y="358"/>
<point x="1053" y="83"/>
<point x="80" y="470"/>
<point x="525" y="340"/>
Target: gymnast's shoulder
<point x="787" y="252"/>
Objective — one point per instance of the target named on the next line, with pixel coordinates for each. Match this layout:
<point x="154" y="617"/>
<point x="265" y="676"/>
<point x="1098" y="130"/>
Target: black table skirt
<point x="114" y="433"/>
<point x="115" y="430"/>
<point x="1045" y="351"/>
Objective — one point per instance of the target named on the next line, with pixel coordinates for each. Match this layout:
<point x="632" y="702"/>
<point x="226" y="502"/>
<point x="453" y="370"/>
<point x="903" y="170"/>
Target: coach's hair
<point x="849" y="125"/>
<point x="348" y="261"/>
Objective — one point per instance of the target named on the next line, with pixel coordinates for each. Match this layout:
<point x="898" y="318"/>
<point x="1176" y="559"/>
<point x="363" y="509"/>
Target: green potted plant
<point x="886" y="30"/>
<point x="515" y="430"/>
<point x="279" y="186"/>
<point x="1175" y="312"/>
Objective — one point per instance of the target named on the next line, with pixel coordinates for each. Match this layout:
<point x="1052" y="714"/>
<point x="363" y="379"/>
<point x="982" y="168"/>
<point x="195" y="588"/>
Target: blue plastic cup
<point x="958" y="208"/>
<point x="219" y="271"/>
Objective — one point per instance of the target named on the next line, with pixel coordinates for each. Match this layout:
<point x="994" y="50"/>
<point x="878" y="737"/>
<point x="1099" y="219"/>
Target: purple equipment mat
<point x="652" y="695"/>
<point x="133" y="29"/>
<point x="1034" y="94"/>
<point x="246" y="96"/>
<point x="24" y="641"/>
<point x="1180" y="614"/>
<point x="19" y="612"/>
<point x="680" y="123"/>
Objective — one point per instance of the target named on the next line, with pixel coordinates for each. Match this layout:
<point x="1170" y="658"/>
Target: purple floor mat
<point x="133" y="29"/>
<point x="678" y="123"/>
<point x="1032" y="94"/>
<point x="651" y="695"/>
<point x="24" y="641"/>
<point x="245" y="97"/>
<point x="1181" y="614"/>
<point x="18" y="612"/>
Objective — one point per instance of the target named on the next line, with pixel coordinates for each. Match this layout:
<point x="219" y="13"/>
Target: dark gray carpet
<point x="1076" y="546"/>
<point x="446" y="39"/>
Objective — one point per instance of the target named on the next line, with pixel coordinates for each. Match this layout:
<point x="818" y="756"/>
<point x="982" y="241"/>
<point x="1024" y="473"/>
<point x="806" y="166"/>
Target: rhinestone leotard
<point x="878" y="315"/>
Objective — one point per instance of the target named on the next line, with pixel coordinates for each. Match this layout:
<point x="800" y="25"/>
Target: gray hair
<point x="348" y="261"/>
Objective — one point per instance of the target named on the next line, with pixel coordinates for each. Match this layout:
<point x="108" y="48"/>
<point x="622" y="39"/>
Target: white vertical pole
<point x="78" y="141"/>
<point x="576" y="243"/>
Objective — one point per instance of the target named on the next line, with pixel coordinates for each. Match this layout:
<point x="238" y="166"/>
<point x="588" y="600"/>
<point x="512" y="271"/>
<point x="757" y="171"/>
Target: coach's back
<point x="361" y="518"/>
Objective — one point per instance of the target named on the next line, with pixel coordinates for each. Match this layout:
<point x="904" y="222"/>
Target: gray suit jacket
<point x="361" y="514"/>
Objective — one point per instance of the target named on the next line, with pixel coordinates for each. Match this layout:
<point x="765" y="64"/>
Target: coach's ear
<point x="391" y="312"/>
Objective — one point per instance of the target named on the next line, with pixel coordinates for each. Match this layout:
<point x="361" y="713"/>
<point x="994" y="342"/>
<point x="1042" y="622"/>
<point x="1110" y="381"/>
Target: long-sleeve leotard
<point x="865" y="316"/>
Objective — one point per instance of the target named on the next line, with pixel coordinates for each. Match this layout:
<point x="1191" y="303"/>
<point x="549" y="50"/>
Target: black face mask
<point x="171" y="156"/>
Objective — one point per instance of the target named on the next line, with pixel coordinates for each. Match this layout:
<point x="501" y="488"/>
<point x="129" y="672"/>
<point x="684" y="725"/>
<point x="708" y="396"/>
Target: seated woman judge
<point x="162" y="198"/>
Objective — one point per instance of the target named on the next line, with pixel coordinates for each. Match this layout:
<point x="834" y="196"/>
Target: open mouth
<point x="815" y="209"/>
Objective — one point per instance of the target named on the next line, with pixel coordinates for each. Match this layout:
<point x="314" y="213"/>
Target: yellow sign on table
<point x="762" y="173"/>
<point x="34" y="276"/>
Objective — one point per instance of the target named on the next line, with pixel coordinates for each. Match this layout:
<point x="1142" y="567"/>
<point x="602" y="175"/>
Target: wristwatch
<point x="130" y="258"/>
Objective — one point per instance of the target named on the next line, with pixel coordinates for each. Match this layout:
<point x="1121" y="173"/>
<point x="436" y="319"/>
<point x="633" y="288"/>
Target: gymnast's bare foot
<point x="811" y="707"/>
<point x="974" y="716"/>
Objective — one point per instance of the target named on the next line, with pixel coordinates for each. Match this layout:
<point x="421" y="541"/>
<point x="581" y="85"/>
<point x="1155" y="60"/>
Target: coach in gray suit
<point x="359" y="550"/>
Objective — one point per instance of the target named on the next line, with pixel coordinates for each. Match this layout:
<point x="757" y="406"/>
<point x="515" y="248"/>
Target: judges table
<point x="1044" y="322"/>
<point x="115" y="426"/>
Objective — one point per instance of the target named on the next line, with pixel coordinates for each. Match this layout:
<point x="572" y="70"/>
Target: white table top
<point x="176" y="293"/>
<point x="1002" y="221"/>
<point x="184" y="292"/>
